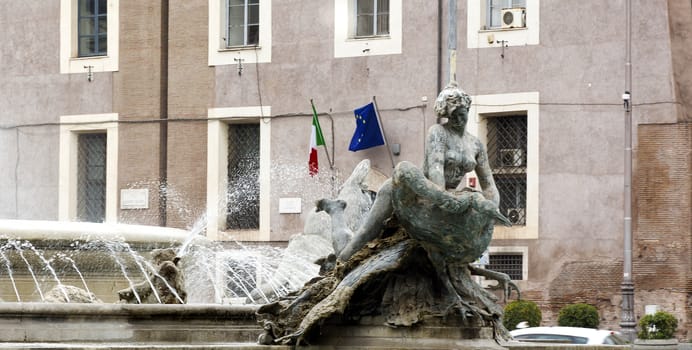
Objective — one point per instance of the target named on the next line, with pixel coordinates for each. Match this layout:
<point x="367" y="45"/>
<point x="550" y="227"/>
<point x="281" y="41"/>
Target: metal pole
<point x="452" y="40"/>
<point x="627" y="322"/>
<point x="384" y="136"/>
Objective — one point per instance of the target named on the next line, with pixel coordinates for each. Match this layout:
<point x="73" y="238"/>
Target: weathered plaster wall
<point x="303" y="67"/>
<point x="137" y="97"/>
<point x="680" y="17"/>
<point x="190" y="92"/>
<point x="32" y="91"/>
<point x="579" y="71"/>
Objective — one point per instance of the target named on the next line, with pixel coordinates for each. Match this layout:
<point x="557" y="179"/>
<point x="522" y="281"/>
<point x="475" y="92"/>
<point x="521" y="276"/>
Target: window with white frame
<point x="92" y="28"/>
<point x="490" y="23"/>
<point x="91" y="177"/>
<point x="367" y="27"/>
<point x="506" y="147"/>
<point x="510" y="260"/>
<point x="89" y="36"/>
<point x="242" y="23"/>
<point x="238" y="162"/>
<point x="371" y="18"/>
<point x="508" y="263"/>
<point x="242" y="193"/>
<point x="239" y="31"/>
<point x="88" y="168"/>
<point x="508" y="124"/>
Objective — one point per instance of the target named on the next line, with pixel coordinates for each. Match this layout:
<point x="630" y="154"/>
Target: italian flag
<point x="316" y="139"/>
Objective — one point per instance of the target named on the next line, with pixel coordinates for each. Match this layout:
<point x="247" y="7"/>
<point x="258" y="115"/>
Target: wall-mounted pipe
<point x="163" y="109"/>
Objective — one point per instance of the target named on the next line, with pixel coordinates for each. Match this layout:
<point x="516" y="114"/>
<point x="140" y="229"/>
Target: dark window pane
<point x="236" y="2"/>
<point x="103" y="45"/>
<point x="382" y="24"/>
<point x="365" y="7"/>
<point x="364" y="25"/>
<point x="86" y="8"/>
<point x="86" y="26"/>
<point x="87" y="46"/>
<point x="103" y="7"/>
<point x="103" y="25"/>
<point x="382" y="17"/>
<point x="253" y="35"/>
<point x="253" y="14"/>
<point x="382" y="6"/>
<point x="91" y="177"/>
<point x="365" y="11"/>
<point x="92" y="28"/>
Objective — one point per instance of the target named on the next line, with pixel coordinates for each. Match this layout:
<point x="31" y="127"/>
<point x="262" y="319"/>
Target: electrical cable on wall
<point x="344" y="113"/>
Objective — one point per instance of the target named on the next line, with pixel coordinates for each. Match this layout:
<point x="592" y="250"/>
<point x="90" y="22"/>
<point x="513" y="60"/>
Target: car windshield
<point x="552" y="338"/>
<point x="614" y="339"/>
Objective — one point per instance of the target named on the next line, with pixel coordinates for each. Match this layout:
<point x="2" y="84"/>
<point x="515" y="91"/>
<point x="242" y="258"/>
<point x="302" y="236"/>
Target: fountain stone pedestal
<point x="371" y="333"/>
<point x="127" y="324"/>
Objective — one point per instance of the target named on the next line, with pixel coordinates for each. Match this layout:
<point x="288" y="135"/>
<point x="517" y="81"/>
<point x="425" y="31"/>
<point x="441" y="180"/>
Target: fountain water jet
<point x="96" y="256"/>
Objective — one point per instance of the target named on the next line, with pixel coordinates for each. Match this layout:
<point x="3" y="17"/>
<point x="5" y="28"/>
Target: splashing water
<point x="8" y="265"/>
<point x="79" y="273"/>
<point x="214" y="272"/>
<point x="50" y="268"/>
<point x="28" y="266"/>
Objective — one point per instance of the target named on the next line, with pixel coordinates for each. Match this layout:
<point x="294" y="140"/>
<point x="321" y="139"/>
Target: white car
<point x="570" y="335"/>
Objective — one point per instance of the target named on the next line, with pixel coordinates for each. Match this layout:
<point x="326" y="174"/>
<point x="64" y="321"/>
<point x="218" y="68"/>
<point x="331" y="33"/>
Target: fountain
<point x="54" y="276"/>
<point x="109" y="284"/>
<point x="394" y="272"/>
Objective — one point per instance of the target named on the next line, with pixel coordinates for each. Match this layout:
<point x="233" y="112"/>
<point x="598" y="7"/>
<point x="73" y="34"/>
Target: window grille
<point x="243" y="176"/>
<point x="494" y="10"/>
<point x="511" y="264"/>
<point x="507" y="144"/>
<point x="242" y="22"/>
<point x="92" y="28"/>
<point x="372" y="17"/>
<point x="91" y="177"/>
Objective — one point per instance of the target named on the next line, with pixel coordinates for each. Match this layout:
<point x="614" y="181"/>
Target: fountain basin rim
<point x="133" y="310"/>
<point x="88" y="231"/>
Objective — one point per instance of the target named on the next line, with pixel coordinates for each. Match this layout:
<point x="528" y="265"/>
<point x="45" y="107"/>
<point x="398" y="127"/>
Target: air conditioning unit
<point x="514" y="17"/>
<point x="516" y="215"/>
<point x="511" y="157"/>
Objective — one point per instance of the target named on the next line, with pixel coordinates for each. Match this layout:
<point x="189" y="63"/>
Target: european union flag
<point x="368" y="133"/>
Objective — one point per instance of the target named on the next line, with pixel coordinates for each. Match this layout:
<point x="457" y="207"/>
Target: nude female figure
<point x="451" y="152"/>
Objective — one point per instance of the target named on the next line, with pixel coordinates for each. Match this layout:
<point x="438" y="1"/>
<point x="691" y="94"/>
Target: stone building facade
<point x="172" y="88"/>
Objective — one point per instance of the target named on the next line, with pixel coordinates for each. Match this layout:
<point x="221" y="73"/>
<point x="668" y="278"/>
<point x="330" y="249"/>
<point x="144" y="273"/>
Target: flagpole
<point x="384" y="135"/>
<point x="314" y="112"/>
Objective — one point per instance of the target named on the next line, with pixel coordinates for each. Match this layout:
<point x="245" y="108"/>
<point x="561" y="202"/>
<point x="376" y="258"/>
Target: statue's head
<point x="450" y="99"/>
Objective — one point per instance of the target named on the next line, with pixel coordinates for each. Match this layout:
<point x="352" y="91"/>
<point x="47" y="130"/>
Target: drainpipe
<point x="439" y="46"/>
<point x="163" y="108"/>
<point x="452" y="40"/>
<point x="627" y="322"/>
